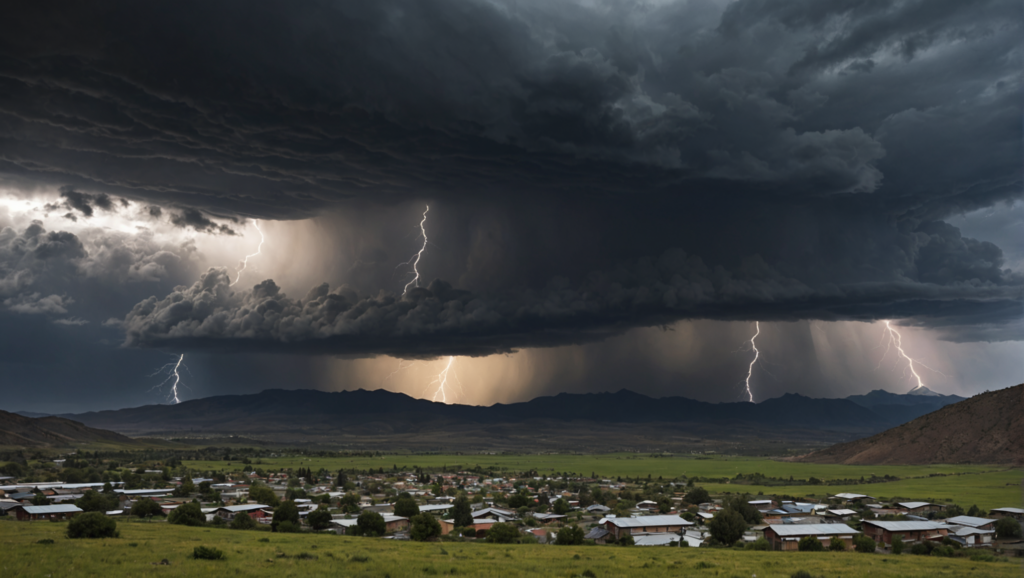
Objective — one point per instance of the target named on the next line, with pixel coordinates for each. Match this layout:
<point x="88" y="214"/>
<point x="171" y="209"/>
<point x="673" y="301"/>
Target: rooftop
<point x="968" y="521"/>
<point x="905" y="526"/>
<point x="645" y="521"/>
<point x="812" y="529"/>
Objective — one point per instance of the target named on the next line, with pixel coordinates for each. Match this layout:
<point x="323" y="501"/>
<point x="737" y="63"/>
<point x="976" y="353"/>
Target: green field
<point x="987" y="486"/>
<point x="141" y="545"/>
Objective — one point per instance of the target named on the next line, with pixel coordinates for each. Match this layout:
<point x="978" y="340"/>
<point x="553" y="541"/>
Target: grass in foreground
<point x="143" y="546"/>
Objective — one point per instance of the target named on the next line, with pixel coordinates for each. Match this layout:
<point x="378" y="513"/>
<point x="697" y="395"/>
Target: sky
<point x="484" y="202"/>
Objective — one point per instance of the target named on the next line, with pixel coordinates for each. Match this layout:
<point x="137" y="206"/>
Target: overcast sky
<point x="617" y="193"/>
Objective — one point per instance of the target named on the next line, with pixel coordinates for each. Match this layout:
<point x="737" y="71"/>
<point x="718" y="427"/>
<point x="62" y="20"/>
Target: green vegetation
<point x="340" y="555"/>
<point x="92" y="525"/>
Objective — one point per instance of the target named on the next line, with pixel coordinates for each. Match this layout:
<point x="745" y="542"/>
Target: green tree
<point x="518" y="500"/>
<point x="759" y="544"/>
<point x="462" y="512"/>
<point x="697" y="496"/>
<point x="263" y="495"/>
<point x="93" y="501"/>
<point x="185" y="489"/>
<point x="836" y="544"/>
<point x="897" y="544"/>
<point x="405" y="506"/>
<point x="371" y="524"/>
<point x="502" y="533"/>
<point x="242" y="521"/>
<point x="741" y="504"/>
<point x="810" y="544"/>
<point x="976" y="512"/>
<point x="286" y="512"/>
<point x="146" y="508"/>
<point x="92" y="525"/>
<point x="560" y="507"/>
<point x="727" y="526"/>
<point x="1007" y="528"/>
<point x="187" y="515"/>
<point x="570" y="536"/>
<point x="864" y="544"/>
<point x="319" y="519"/>
<point x="424" y="527"/>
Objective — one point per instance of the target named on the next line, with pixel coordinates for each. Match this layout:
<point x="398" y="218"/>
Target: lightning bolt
<point x="442" y="381"/>
<point x="750" y="370"/>
<point x="173" y="372"/>
<point x="896" y="341"/>
<point x="415" y="260"/>
<point x="245" y="261"/>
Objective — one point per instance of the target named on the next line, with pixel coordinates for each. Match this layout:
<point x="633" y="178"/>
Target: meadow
<point x="986" y="486"/>
<point x="142" y="546"/>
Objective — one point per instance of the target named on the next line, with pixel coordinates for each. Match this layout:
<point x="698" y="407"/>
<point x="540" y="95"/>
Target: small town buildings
<point x="972" y="537"/>
<point x="620" y="527"/>
<point x="972" y="521"/>
<point x="31" y="513"/>
<point x="919" y="508"/>
<point x="598" y="534"/>
<point x="496" y="513"/>
<point x="842" y="515"/>
<point x="910" y="532"/>
<point x="1016" y="513"/>
<point x="255" y="511"/>
<point x="479" y="524"/>
<point x="788" y="536"/>
<point x="598" y="509"/>
<point x="391" y="523"/>
<point x="657" y="539"/>
<point x="848" y="498"/>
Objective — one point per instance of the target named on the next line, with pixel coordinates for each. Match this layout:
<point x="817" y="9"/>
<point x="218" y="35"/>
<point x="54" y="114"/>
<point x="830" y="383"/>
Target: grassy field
<point x="987" y="486"/>
<point x="143" y="545"/>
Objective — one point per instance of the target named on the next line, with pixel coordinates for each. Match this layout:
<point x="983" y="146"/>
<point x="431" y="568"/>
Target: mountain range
<point x="51" y="431"/>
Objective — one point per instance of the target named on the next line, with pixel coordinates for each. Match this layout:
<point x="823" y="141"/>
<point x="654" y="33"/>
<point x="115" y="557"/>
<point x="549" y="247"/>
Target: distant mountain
<point x="985" y="429"/>
<point x="32" y="414"/>
<point x="897" y="408"/>
<point x="27" y="432"/>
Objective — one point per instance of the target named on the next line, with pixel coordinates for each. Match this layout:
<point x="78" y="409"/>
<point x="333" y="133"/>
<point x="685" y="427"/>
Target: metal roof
<point x="915" y="505"/>
<point x="905" y="526"/>
<point x="1009" y="510"/>
<point x="846" y="496"/>
<point x="968" y="531"/>
<point x="842" y="512"/>
<point x="61" y="509"/>
<point x="349" y="522"/>
<point x="243" y="508"/>
<point x="644" y="521"/>
<point x="656" y="539"/>
<point x="812" y="529"/>
<point x="972" y="521"/>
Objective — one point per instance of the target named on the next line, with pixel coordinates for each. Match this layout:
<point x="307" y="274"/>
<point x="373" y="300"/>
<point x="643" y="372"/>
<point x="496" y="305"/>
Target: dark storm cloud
<point x="193" y="219"/>
<point x="825" y="141"/>
<point x="82" y="202"/>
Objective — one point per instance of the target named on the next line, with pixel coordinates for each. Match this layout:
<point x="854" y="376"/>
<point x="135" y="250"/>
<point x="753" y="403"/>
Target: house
<point x="648" y="505"/>
<point x="548" y="518"/>
<point x="842" y="514"/>
<point x="973" y="522"/>
<point x="479" y="525"/>
<point x="497" y="513"/>
<point x="30" y="513"/>
<point x="788" y="536"/>
<point x="620" y="527"/>
<point x="391" y="523"/>
<point x="598" y="534"/>
<point x="1016" y="513"/>
<point x="435" y="508"/>
<point x="972" y="537"/>
<point x="847" y="498"/>
<point x="657" y="539"/>
<point x="919" y="508"/>
<point x="913" y="531"/>
<point x="598" y="509"/>
<point x="255" y="511"/>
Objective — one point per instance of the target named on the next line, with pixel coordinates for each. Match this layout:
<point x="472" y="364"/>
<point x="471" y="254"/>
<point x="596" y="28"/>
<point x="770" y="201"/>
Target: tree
<point x="741" y="504"/>
<point x="185" y="489"/>
<point x="518" y="500"/>
<point x="810" y="544"/>
<point x="187" y="515"/>
<point x="93" y="501"/>
<point x="242" y="521"/>
<point x="897" y="544"/>
<point x="286" y="512"/>
<point x="263" y="495"/>
<point x="697" y="496"/>
<point x="371" y="524"/>
<point x="405" y="506"/>
<point x="319" y="519"/>
<point x="424" y="527"/>
<point x="462" y="512"/>
<point x="864" y="544"/>
<point x="560" y="507"/>
<point x="1007" y="528"/>
<point x="976" y="512"/>
<point x="502" y="533"/>
<point x="727" y="526"/>
<point x="570" y="536"/>
<point x="92" y="525"/>
<point x="836" y="544"/>
<point x="146" y="508"/>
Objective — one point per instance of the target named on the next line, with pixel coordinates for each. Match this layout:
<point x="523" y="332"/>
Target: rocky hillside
<point x="986" y="429"/>
<point x="27" y="432"/>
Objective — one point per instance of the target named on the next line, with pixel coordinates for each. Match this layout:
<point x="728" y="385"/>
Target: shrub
<point x="1007" y="528"/>
<point x="502" y="533"/>
<point x="570" y="536"/>
<point x="204" y="553"/>
<point x="801" y="574"/>
<point x="897" y="544"/>
<point x="92" y="525"/>
<point x="145" y="508"/>
<point x="187" y="515"/>
<point x="810" y="544"/>
<point x="864" y="544"/>
<point x="319" y="519"/>
<point x="406" y="507"/>
<point x="423" y="527"/>
<point x="288" y="527"/>
<point x="286" y="512"/>
<point x="727" y="526"/>
<point x="242" y="521"/>
<point x="44" y="541"/>
<point x="759" y="544"/>
<point x="944" y="551"/>
<point x="371" y="524"/>
<point x="836" y="544"/>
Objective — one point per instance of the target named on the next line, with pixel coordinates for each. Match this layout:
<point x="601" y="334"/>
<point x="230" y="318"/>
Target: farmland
<point x="142" y="546"/>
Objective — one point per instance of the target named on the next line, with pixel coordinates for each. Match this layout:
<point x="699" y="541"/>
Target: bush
<point x="242" y="521"/>
<point x="944" y="551"/>
<point x="1007" y="528"/>
<point x="146" y="508"/>
<point x="187" y="515"/>
<point x="801" y="574"/>
<point x="263" y="495"/>
<point x="92" y="525"/>
<point x="810" y="544"/>
<point x="836" y="544"/>
<point x="897" y="544"/>
<point x="406" y="507"/>
<point x="286" y="512"/>
<point x="864" y="544"/>
<point x="44" y="541"/>
<point x="319" y="519"/>
<point x="288" y="527"/>
<point x="727" y="526"/>
<point x="502" y="533"/>
<point x="204" y="553"/>
<point x="759" y="544"/>
<point x="697" y="496"/>
<point x="570" y="536"/>
<point x="371" y="524"/>
<point x="423" y="527"/>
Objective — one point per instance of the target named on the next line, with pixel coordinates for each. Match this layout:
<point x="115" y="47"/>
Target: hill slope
<point x="20" y="431"/>
<point x="987" y="428"/>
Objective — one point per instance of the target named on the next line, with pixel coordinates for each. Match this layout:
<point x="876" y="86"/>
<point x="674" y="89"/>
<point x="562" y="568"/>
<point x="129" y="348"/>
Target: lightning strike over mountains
<point x="415" y="261"/>
<point x="245" y="261"/>
<point x="441" y="393"/>
<point x="896" y="340"/>
<point x="750" y="370"/>
<point x="173" y="372"/>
